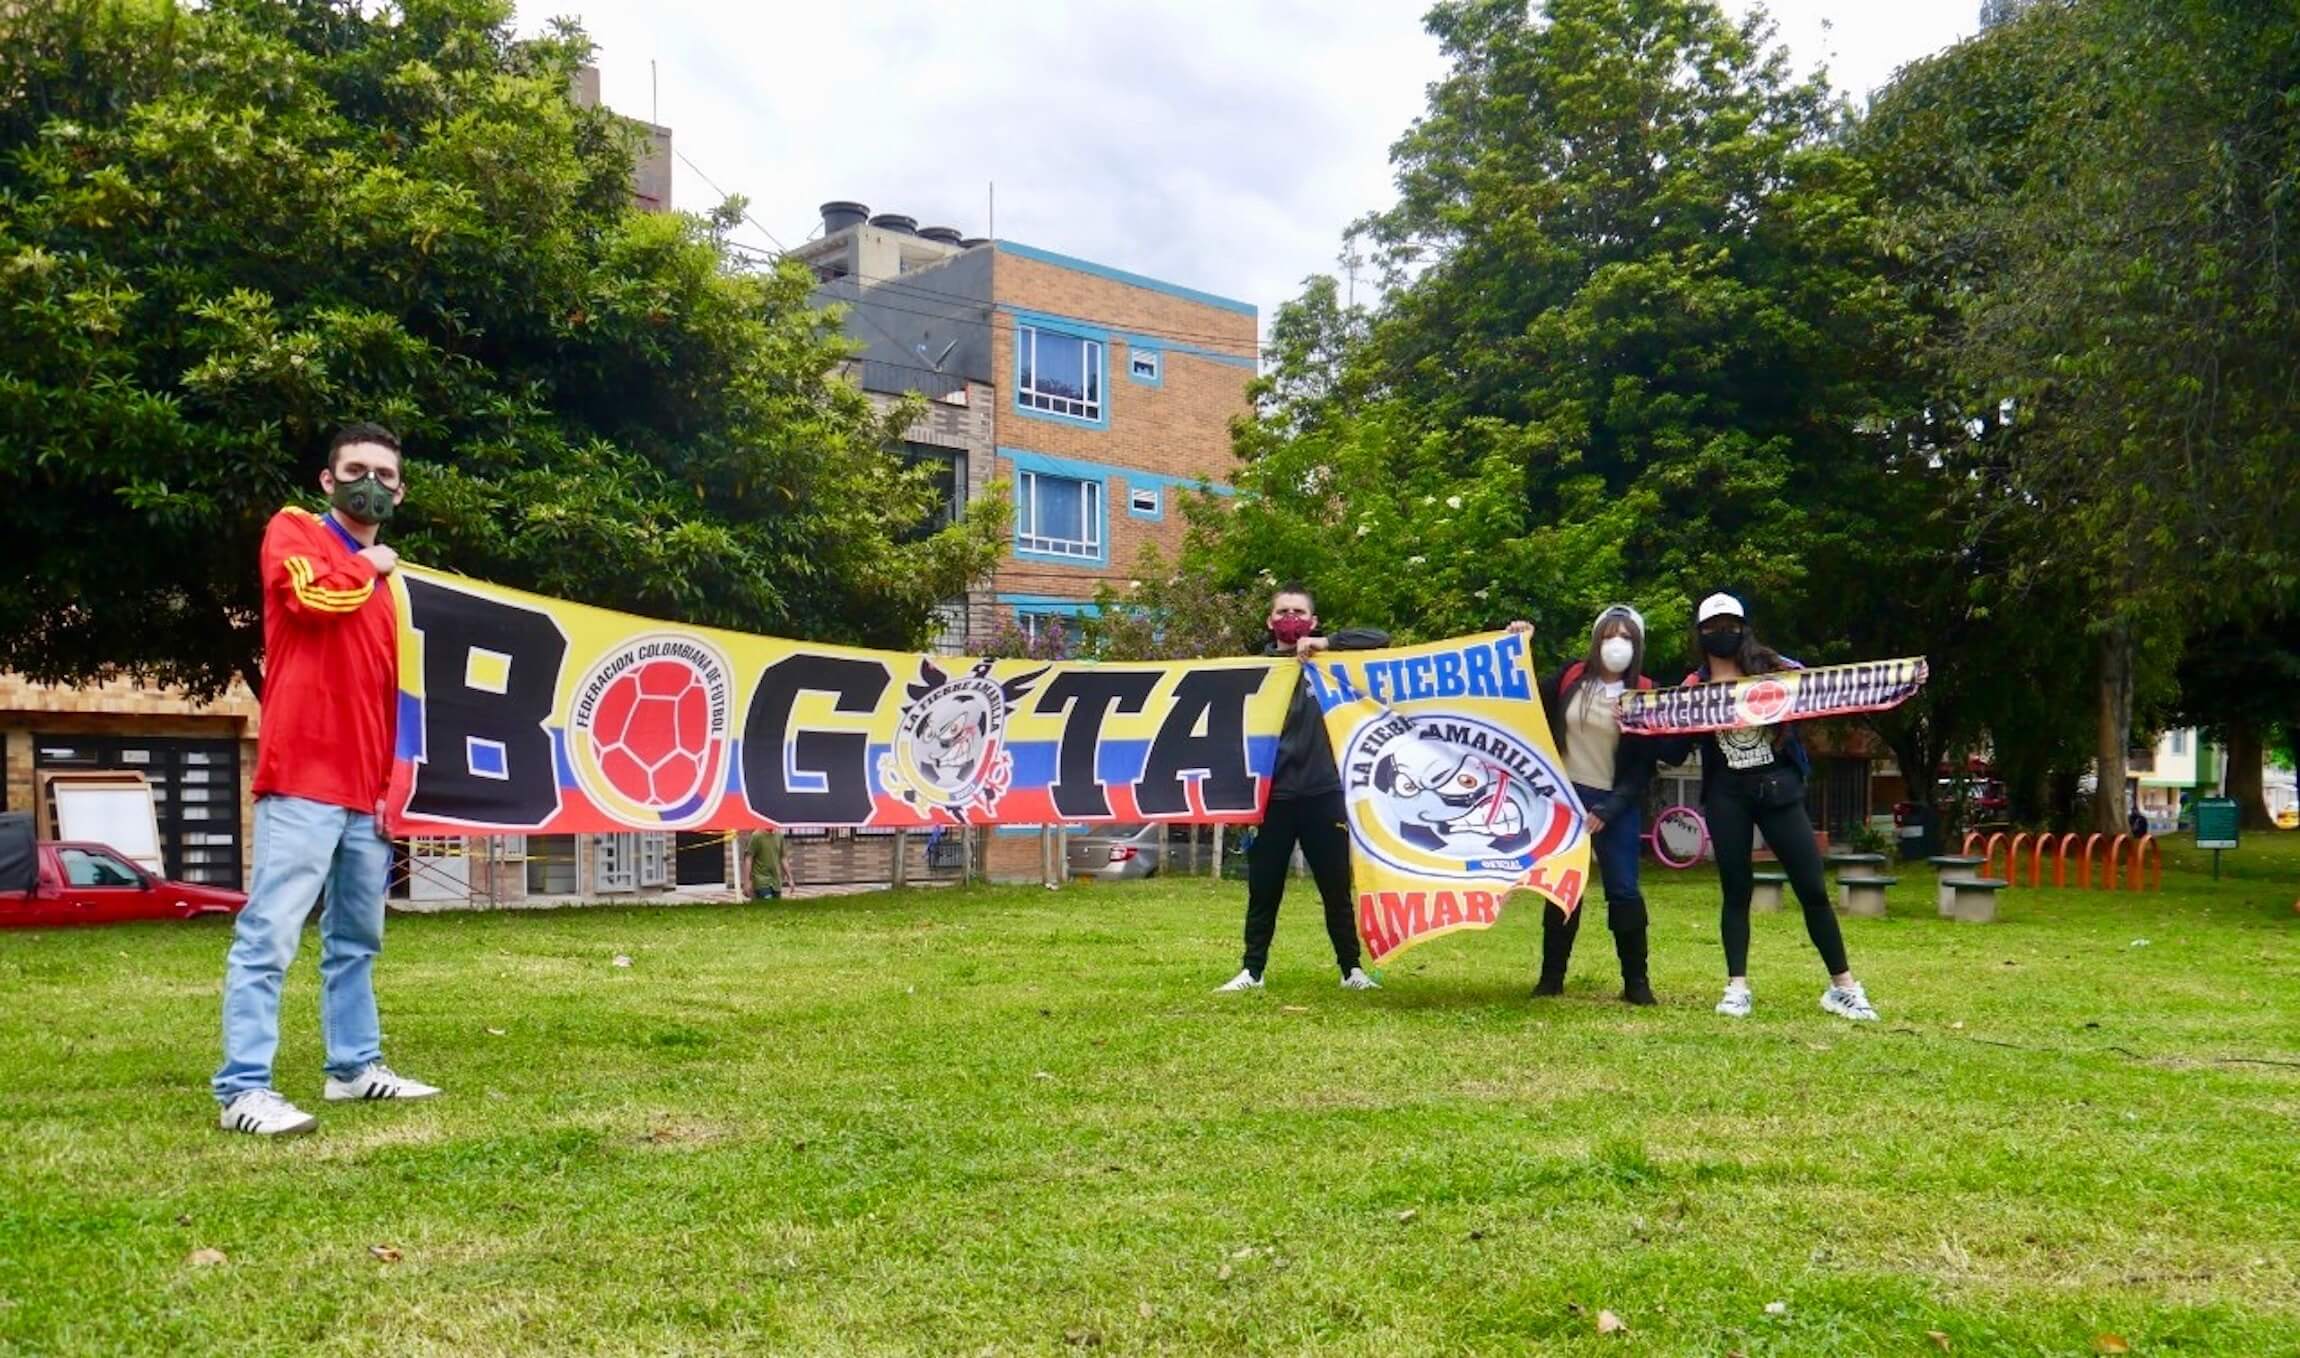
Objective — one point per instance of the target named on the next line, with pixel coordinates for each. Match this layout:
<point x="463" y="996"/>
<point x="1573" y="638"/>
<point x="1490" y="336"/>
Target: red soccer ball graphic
<point x="653" y="735"/>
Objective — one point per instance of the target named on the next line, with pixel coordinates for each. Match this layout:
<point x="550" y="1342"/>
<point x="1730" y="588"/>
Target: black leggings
<point x="1320" y="824"/>
<point x="1733" y="812"/>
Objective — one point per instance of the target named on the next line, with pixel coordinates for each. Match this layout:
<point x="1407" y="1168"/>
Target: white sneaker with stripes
<point x="1849" y="1001"/>
<point x="1737" y="1000"/>
<point x="1244" y="980"/>
<point x="1358" y="980"/>
<point x="377" y="1082"/>
<point x="263" y="1112"/>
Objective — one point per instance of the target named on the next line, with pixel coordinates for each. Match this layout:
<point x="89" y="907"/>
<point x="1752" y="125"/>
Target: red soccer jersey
<point x="331" y="667"/>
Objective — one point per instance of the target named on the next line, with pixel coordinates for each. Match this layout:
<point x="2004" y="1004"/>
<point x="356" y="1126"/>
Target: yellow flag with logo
<point x="1457" y="794"/>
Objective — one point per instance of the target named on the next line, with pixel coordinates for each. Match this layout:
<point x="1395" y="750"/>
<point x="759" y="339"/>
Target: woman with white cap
<point x="1753" y="780"/>
<point x="1609" y="772"/>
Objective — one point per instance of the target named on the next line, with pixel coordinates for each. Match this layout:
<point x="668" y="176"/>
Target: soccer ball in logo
<point x="1766" y="700"/>
<point x="647" y="730"/>
<point x="653" y="734"/>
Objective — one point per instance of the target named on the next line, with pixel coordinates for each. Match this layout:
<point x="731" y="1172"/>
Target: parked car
<point x="1124" y="852"/>
<point x="82" y="883"/>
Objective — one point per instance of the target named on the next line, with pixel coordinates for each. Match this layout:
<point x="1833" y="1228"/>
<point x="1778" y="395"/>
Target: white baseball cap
<point x="1718" y="606"/>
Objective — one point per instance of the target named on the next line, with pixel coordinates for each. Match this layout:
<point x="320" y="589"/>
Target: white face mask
<point x="1615" y="653"/>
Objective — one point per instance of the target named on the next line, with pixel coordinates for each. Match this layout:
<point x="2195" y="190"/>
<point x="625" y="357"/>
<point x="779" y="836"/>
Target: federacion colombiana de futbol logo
<point x="950" y="750"/>
<point x="1452" y="796"/>
<point x="648" y="733"/>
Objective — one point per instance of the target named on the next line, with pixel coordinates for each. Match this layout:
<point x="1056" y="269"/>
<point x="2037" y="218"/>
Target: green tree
<point x="2106" y="232"/>
<point x="1630" y="349"/>
<point x="2240" y="683"/>
<point x="225" y="230"/>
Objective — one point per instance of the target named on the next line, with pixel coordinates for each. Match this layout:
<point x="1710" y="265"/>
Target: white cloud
<point x="1224" y="146"/>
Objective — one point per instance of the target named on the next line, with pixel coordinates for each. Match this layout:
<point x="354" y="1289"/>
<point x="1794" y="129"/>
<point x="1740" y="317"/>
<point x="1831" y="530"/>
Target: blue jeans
<point x="1613" y="852"/>
<point x="306" y="850"/>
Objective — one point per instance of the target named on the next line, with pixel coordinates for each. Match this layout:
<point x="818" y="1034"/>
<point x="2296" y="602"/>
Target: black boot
<point x="1629" y="945"/>
<point x="1557" y="930"/>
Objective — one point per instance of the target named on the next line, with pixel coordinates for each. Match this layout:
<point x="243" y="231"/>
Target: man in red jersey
<point x="330" y="699"/>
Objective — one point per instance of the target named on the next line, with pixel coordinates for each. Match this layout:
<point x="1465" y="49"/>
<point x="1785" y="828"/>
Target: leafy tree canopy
<point x="227" y="230"/>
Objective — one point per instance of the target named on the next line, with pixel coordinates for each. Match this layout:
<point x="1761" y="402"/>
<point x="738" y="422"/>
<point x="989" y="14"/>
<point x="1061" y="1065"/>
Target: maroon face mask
<point x="1290" y="630"/>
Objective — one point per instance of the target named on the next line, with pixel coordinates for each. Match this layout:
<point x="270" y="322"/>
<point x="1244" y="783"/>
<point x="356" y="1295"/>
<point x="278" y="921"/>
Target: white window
<point x="1037" y="626"/>
<point x="1143" y="500"/>
<point x="654" y="858"/>
<point x="1058" y="373"/>
<point x="1142" y="364"/>
<point x="2180" y="742"/>
<point x="1058" y="515"/>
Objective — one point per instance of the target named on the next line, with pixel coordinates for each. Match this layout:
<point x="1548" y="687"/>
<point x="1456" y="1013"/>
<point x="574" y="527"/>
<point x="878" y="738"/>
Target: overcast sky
<point x="1222" y="144"/>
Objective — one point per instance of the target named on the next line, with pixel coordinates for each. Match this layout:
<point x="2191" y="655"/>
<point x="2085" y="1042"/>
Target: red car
<point x="91" y="884"/>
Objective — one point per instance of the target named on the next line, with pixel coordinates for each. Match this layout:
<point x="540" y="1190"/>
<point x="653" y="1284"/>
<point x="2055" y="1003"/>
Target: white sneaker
<point x="1849" y="1001"/>
<point x="1358" y="980"/>
<point x="1244" y="980"/>
<point x="377" y="1082"/>
<point x="262" y="1112"/>
<point x="1736" y="1002"/>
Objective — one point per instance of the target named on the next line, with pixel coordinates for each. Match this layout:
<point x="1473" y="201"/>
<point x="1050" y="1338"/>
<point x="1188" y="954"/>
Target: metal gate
<point x="866" y="857"/>
<point x="1837" y="796"/>
<point x="195" y="794"/>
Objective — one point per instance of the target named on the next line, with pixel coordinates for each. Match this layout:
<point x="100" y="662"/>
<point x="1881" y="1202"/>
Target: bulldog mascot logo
<point x="950" y="750"/>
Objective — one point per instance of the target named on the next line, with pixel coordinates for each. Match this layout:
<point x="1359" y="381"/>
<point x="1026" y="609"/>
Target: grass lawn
<point x="1015" y="1120"/>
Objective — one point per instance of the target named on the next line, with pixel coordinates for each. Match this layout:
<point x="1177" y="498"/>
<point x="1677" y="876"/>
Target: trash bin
<point x="1920" y="834"/>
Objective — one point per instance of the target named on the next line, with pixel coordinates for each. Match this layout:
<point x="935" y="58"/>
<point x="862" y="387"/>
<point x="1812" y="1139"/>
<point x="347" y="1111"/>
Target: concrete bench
<point x="1973" y="899"/>
<point x="1864" y="895"/>
<point x="1842" y="861"/>
<point x="1767" y="893"/>
<point x="1954" y="865"/>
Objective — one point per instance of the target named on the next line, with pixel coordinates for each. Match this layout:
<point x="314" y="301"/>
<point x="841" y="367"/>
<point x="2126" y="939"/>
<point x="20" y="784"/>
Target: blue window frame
<point x="1058" y="373"/>
<point x="1147" y="366"/>
<point x="1058" y="516"/>
<point x="1145" y="502"/>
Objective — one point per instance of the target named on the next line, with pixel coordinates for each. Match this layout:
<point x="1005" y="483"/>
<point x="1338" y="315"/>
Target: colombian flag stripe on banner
<point x="1457" y="795"/>
<point x="521" y="714"/>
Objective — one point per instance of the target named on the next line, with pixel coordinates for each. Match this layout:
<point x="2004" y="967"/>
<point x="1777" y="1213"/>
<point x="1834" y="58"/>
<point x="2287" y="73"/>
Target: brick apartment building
<point x="1096" y="394"/>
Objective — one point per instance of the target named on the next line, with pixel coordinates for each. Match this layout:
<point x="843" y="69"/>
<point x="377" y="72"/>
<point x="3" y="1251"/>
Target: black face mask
<point x="1722" y="644"/>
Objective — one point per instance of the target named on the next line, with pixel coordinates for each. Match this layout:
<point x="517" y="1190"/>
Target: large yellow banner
<point x="519" y="713"/>
<point x="1457" y="795"/>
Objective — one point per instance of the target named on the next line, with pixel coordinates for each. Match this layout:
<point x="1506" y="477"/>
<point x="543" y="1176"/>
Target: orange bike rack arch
<point x="1989" y="857"/>
<point x="2143" y="870"/>
<point x="2145" y="851"/>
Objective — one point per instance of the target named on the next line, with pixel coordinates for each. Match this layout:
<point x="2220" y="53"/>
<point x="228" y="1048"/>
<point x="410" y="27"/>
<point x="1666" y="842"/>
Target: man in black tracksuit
<point x="1306" y="804"/>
